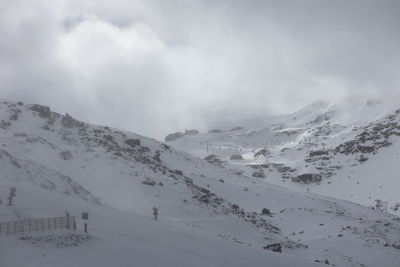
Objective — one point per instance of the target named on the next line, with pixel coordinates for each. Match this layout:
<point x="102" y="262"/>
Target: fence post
<point x="67" y="216"/>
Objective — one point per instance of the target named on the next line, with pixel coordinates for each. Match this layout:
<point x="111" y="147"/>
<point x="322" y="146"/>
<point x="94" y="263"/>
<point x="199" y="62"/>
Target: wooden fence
<point x="37" y="225"/>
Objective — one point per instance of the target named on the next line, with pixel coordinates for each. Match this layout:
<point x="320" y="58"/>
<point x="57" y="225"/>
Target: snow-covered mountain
<point x="211" y="214"/>
<point x="348" y="150"/>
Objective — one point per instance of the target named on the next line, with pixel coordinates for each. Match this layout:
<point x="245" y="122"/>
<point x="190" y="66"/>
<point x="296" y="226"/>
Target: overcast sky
<point x="154" y="67"/>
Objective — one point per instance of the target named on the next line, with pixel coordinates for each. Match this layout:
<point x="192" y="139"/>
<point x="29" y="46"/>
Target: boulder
<point x="362" y="158"/>
<point x="236" y="157"/>
<point x="258" y="174"/>
<point x="307" y="178"/>
<point x="149" y="182"/>
<point x="66" y="155"/>
<point x="266" y="211"/>
<point x="237" y="128"/>
<point x="178" y="172"/>
<point x="213" y="159"/>
<point x="318" y="153"/>
<point x="274" y="247"/>
<point x="262" y="152"/>
<point x="132" y="142"/>
<point x="69" y="122"/>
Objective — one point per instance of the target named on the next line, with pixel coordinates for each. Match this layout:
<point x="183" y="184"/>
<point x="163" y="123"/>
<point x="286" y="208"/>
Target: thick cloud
<point x="157" y="66"/>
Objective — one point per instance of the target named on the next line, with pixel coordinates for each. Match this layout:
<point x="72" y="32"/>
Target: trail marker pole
<point x="85" y="217"/>
<point x="67" y="220"/>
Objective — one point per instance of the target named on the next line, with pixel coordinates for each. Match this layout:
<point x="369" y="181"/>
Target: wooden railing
<point x="37" y="225"/>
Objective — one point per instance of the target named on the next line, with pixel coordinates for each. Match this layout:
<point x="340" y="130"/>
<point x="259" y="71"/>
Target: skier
<point x="155" y="213"/>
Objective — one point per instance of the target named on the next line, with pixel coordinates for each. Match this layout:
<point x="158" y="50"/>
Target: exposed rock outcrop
<point x="43" y="111"/>
<point x="307" y="178"/>
<point x="69" y="122"/>
<point x="173" y="136"/>
<point x="236" y="157"/>
<point x="66" y="155"/>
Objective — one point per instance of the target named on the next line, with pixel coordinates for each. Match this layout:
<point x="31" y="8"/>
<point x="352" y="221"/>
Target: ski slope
<point x="348" y="150"/>
<point x="210" y="215"/>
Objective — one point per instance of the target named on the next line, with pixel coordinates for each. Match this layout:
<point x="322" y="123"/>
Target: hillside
<point x="210" y="214"/>
<point x="347" y="151"/>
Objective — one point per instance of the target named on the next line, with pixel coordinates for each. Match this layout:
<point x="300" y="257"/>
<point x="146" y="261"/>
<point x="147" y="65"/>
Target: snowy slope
<point x="347" y="150"/>
<point x="118" y="239"/>
<point x="209" y="215"/>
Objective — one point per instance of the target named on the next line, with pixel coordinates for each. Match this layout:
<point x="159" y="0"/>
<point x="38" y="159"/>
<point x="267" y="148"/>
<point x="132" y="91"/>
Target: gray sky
<point x="154" y="67"/>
